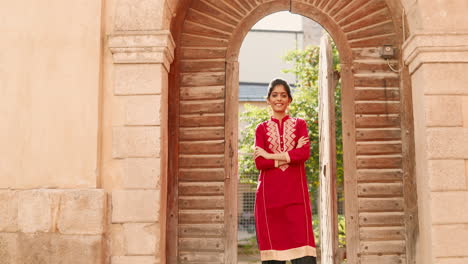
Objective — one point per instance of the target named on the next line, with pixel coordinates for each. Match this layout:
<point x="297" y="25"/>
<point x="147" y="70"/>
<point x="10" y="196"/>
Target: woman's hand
<point x="259" y="152"/>
<point x="302" y="141"/>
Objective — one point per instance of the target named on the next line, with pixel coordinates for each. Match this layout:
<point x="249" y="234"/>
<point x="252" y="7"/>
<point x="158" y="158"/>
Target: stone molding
<point x="142" y="47"/>
<point x="435" y="48"/>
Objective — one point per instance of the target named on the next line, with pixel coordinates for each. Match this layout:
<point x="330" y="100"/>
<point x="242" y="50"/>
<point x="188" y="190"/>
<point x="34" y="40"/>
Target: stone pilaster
<point x="139" y="140"/>
<point x="438" y="65"/>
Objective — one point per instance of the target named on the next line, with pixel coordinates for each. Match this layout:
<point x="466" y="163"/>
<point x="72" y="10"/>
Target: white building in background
<point x="263" y="49"/>
<point x="313" y="31"/>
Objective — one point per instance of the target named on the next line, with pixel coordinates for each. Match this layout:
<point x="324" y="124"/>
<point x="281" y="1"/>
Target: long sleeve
<point x="261" y="163"/>
<point x="299" y="155"/>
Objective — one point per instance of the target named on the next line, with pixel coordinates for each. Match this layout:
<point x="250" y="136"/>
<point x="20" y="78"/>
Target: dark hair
<point x="279" y="81"/>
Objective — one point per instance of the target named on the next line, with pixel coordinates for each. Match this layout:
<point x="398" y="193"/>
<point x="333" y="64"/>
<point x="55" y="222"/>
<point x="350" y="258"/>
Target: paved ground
<point x="244" y="259"/>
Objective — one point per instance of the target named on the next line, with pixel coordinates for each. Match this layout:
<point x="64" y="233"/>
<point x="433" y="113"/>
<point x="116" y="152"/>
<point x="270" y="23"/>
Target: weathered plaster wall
<point x="437" y="55"/>
<point x="49" y="86"/>
<point x="50" y="211"/>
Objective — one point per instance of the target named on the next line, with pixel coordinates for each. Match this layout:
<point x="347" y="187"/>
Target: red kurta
<point x="282" y="206"/>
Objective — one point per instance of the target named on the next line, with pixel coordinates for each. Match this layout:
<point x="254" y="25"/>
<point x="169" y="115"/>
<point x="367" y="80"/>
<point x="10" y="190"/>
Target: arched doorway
<point x="203" y="114"/>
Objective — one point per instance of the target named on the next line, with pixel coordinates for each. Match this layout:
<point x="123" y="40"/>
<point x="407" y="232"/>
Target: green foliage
<point x="252" y="116"/>
<point x="248" y="247"/>
<point x="341" y="230"/>
<point x="305" y="105"/>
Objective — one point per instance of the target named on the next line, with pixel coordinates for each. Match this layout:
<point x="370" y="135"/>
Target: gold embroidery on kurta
<point x="273" y="137"/>
<point x="273" y="134"/>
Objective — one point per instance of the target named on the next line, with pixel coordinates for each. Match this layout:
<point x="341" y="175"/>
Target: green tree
<point x="305" y="105"/>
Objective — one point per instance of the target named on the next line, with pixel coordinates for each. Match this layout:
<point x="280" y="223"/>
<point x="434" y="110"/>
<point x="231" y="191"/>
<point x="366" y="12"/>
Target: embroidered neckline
<point x="273" y="134"/>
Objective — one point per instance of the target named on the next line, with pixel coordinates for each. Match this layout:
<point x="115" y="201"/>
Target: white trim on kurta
<point x="264" y="210"/>
<point x="305" y="205"/>
<point x="288" y="254"/>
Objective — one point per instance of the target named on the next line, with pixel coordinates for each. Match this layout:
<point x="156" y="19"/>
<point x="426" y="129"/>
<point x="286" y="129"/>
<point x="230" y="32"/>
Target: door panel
<point x="328" y="201"/>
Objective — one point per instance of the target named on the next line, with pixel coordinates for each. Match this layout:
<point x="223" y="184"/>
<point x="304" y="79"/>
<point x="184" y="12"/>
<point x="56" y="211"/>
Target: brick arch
<point x="203" y="113"/>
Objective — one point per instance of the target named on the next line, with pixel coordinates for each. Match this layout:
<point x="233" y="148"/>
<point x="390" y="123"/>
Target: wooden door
<point x="207" y="164"/>
<point x="328" y="201"/>
<point x="203" y="186"/>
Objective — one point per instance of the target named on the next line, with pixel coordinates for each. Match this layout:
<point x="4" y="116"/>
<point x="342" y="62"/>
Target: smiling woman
<point x="282" y="206"/>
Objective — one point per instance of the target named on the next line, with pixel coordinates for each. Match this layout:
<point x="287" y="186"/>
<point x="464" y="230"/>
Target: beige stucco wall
<point x="49" y="86"/>
<point x="50" y="82"/>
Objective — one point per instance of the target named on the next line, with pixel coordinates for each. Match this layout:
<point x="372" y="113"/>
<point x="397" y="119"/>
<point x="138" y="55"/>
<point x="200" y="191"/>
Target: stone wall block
<point x="134" y="260"/>
<point x="8" y="211"/>
<point x="465" y="110"/>
<point x="119" y="142"/>
<point x="143" y="110"/>
<point x="454" y="260"/>
<point x="37" y="210"/>
<point x="141" y="239"/>
<point x="8" y="248"/>
<point x="447" y="143"/>
<point x="445" y="78"/>
<point x="444" y="111"/>
<point x="82" y="212"/>
<point x="138" y="79"/>
<point x="36" y="247"/>
<point x="450" y="240"/>
<point x="135" y="206"/>
<point x="142" y="173"/>
<point x="136" y="142"/>
<point x="449" y="207"/>
<point x="77" y="249"/>
<point x="119" y="111"/>
<point x="466" y="173"/>
<point x="53" y="248"/>
<point x="139" y="15"/>
<point x="117" y="240"/>
<point x="144" y="141"/>
<point x="447" y="175"/>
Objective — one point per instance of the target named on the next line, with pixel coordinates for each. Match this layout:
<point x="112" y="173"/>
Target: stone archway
<point x="202" y="168"/>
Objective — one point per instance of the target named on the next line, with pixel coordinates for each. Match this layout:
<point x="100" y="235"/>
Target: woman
<point x="282" y="207"/>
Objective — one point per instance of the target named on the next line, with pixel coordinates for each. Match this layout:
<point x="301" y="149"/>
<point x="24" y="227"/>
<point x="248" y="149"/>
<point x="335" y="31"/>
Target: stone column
<point x="438" y="65"/>
<point x="139" y="140"/>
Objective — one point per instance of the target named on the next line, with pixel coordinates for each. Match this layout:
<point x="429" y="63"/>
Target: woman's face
<point x="279" y="99"/>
